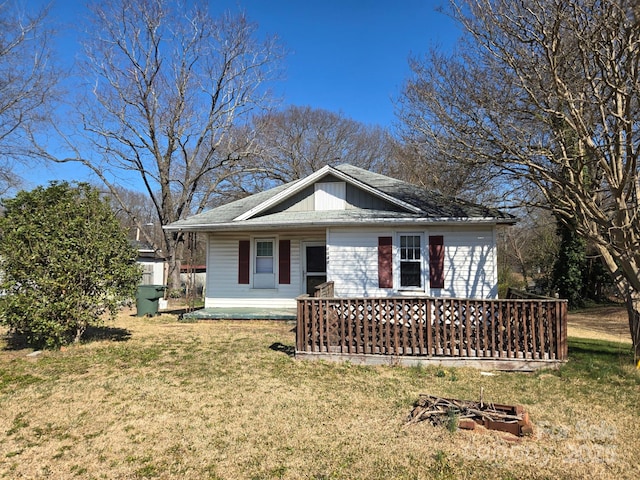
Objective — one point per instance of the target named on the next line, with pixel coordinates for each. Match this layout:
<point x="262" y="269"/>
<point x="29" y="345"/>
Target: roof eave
<point x="246" y="225"/>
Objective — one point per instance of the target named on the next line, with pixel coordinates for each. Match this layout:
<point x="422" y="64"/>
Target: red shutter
<point x="436" y="261"/>
<point x="385" y="262"/>
<point x="243" y="261"/>
<point x="284" y="262"/>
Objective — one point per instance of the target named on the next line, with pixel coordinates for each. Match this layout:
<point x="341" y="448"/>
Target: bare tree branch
<point x="28" y="81"/>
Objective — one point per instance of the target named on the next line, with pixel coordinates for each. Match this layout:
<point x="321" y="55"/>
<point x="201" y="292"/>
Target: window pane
<point x="264" y="249"/>
<point x="316" y="259"/>
<point x="410" y="274"/>
<point x="410" y="248"/>
<point x="264" y="265"/>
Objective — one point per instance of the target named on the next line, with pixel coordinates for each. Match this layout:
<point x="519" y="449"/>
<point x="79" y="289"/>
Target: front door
<point x="314" y="265"/>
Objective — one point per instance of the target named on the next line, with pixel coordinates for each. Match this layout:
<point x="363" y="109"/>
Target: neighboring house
<point x="193" y="277"/>
<point x="372" y="235"/>
<point x="152" y="265"/>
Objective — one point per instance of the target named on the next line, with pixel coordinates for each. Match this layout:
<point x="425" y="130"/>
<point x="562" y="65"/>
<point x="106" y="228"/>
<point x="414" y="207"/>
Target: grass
<point x="159" y="399"/>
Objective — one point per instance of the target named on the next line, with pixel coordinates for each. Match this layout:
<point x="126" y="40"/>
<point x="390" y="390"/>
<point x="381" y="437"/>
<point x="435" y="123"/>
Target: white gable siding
<point x="330" y="195"/>
<point x="223" y="289"/>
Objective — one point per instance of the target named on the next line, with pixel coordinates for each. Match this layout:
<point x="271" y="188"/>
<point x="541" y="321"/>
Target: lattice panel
<point x="434" y="327"/>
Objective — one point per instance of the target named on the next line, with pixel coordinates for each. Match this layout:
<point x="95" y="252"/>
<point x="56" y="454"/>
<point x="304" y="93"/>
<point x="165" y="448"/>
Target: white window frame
<point x="304" y="274"/>
<point x="398" y="262"/>
<point x="264" y="280"/>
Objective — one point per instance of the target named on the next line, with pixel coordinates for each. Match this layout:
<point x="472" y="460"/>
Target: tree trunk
<point x="82" y="327"/>
<point x="173" y="242"/>
<point x="633" y="309"/>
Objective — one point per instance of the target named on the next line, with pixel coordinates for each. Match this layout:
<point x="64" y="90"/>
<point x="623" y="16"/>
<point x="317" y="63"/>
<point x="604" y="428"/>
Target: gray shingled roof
<point x="432" y="203"/>
<point x="432" y="206"/>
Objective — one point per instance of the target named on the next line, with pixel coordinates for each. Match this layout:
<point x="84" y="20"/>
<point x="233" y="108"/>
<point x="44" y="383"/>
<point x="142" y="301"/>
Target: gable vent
<point x="330" y="195"/>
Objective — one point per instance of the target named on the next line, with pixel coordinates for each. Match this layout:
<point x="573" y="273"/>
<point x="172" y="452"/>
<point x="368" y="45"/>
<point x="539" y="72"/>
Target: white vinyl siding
<point x="353" y="262"/>
<point x="470" y="268"/>
<point x="470" y="263"/>
<point x="330" y="195"/>
<point x="222" y="288"/>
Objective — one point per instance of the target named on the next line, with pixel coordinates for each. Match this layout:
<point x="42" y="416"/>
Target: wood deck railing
<point x="433" y="327"/>
<point x="324" y="290"/>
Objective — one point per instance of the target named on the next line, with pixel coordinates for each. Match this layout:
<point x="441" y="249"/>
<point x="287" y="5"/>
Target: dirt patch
<point x="609" y="322"/>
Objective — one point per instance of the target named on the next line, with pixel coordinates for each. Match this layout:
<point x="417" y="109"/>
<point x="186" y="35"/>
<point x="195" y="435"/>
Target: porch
<point x="511" y="334"/>
<point x="241" y="313"/>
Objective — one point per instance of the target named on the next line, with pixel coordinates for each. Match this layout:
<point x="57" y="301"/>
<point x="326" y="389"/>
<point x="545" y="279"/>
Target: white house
<point x="370" y="234"/>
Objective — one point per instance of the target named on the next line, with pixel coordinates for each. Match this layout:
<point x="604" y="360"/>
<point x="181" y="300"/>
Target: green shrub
<point x="65" y="263"/>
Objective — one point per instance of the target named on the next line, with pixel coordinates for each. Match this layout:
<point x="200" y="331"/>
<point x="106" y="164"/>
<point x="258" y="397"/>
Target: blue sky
<point x="351" y="55"/>
<point x="347" y="56"/>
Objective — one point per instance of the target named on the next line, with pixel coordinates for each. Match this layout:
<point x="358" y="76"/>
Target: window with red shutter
<point x="410" y="261"/>
<point x="385" y="262"/>
<point x="284" y="262"/>
<point x="436" y="261"/>
<point x="243" y="261"/>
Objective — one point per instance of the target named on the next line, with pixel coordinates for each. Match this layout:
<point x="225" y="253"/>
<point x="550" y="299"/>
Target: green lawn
<point x="154" y="398"/>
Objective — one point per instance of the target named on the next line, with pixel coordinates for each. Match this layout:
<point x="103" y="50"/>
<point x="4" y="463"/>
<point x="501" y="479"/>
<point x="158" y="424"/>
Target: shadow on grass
<point x="178" y="311"/>
<point x="582" y="346"/>
<point x="281" y="347"/>
<point x="16" y="342"/>
<point x="113" y="334"/>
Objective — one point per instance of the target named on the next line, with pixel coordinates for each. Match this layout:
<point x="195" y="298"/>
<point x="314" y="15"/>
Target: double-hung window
<point x="410" y="261"/>
<point x="264" y="263"/>
<point x="264" y="256"/>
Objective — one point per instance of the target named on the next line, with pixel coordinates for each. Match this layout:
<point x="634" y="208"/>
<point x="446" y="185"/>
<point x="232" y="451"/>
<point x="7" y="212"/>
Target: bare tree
<point x="299" y="140"/>
<point x="415" y="160"/>
<point x="166" y="86"/>
<point x="139" y="205"/>
<point x="531" y="247"/>
<point x="27" y="82"/>
<point x="548" y="91"/>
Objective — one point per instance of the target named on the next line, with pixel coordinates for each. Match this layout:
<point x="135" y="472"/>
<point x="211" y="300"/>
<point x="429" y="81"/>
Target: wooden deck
<point x="511" y="334"/>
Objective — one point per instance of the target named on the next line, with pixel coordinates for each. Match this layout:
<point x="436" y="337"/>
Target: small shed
<point x="152" y="264"/>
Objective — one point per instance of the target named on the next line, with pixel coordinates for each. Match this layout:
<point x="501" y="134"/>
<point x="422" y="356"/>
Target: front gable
<point x="332" y="193"/>
<point x="328" y="189"/>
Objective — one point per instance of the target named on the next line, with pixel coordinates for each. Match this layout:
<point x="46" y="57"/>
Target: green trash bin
<point x="147" y="298"/>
